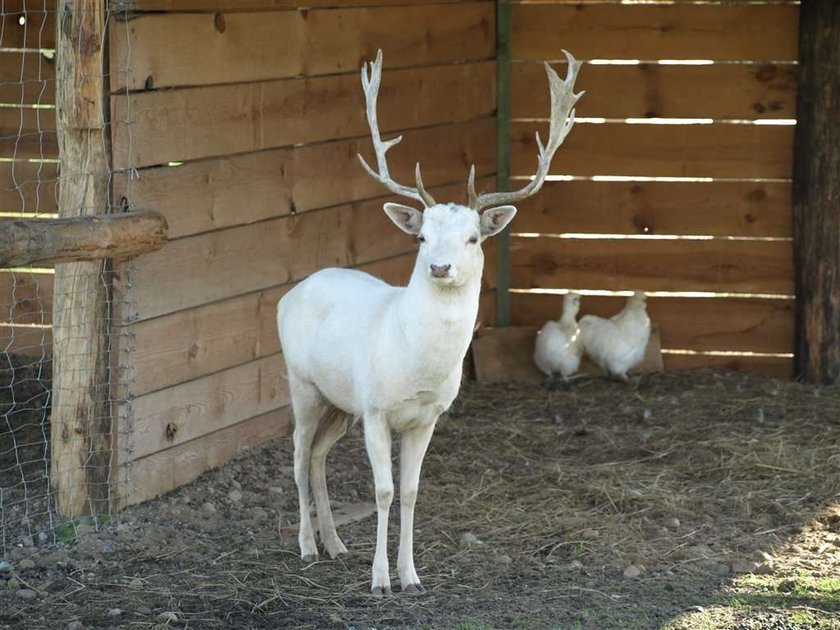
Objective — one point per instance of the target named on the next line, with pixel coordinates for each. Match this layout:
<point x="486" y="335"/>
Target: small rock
<point x="470" y="540"/>
<point x="18" y="553"/>
<point x="259" y="514"/>
<point x="115" y="612"/>
<point x="698" y="609"/>
<point x="186" y="499"/>
<point x="6" y="567"/>
<point x="136" y="583"/>
<point x="763" y="568"/>
<point x="760" y="415"/>
<point x="721" y="569"/>
<point x="26" y="593"/>
<point x="168" y="617"/>
<point x="576" y="564"/>
<point x="502" y="558"/>
<point x="673" y="523"/>
<point x="744" y="566"/>
<point x="208" y="507"/>
<point x="236" y="484"/>
<point x="12" y="584"/>
<point x="275" y="490"/>
<point x="109" y="546"/>
<point x="43" y="538"/>
<point x="647" y="414"/>
<point x="27" y="541"/>
<point x="144" y="610"/>
<point x="235" y="496"/>
<point x="632" y="571"/>
<point x="75" y="625"/>
<point x="27" y="564"/>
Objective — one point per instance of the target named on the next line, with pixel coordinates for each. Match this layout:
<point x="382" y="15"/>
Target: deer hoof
<point x="310" y="558"/>
<point x="378" y="591"/>
<point x="413" y="589"/>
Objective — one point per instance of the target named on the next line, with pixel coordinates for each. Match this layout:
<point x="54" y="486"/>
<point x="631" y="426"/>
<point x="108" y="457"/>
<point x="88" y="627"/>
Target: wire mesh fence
<point x="57" y="439"/>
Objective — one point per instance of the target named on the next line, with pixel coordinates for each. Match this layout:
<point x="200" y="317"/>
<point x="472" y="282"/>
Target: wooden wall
<point x="28" y="169"/>
<point x="704" y="209"/>
<point x="242" y="127"/>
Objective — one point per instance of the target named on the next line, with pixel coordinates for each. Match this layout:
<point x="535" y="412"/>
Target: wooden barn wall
<point x="28" y="168"/>
<point x="242" y="127"/>
<point x="696" y="211"/>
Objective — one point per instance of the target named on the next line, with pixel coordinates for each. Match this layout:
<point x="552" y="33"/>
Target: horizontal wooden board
<point x="32" y="145"/>
<point x="778" y="367"/>
<point x="648" y="32"/>
<point x="164" y="471"/>
<point x="719" y="150"/>
<point x="26" y="120"/>
<point x="212" y="194"/>
<point x="177" y="125"/>
<point x="742" y="324"/>
<point x="249" y="5"/>
<point x="180" y="49"/>
<point x="650" y="265"/>
<point x="719" y="91"/>
<point x="188" y="411"/>
<point x="28" y="187"/>
<point x="26" y="297"/>
<point x="717" y="208"/>
<point x="26" y="341"/>
<point x="38" y="30"/>
<point x="27" y="77"/>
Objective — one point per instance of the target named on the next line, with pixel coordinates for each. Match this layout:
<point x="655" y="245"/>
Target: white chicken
<point x="618" y="344"/>
<point x="558" y="347"/>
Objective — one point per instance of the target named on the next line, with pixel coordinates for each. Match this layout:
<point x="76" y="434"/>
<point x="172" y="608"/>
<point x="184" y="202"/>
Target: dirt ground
<point x="682" y="501"/>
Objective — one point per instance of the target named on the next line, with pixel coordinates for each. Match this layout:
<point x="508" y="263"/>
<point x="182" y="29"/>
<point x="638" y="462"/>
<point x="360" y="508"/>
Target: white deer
<point x="356" y="347"/>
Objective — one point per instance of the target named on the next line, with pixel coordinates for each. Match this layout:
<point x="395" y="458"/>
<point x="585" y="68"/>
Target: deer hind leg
<point x="308" y="406"/>
<point x="332" y="428"/>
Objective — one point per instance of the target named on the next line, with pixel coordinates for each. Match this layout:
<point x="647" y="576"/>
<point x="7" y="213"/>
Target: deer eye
<point x="473" y="240"/>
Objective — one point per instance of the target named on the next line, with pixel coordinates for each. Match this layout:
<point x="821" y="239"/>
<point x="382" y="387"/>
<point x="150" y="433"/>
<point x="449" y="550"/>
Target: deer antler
<point x="563" y="101"/>
<point x="370" y="85"/>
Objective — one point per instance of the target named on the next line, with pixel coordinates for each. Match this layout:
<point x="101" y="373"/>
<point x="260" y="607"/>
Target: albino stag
<point x="357" y="347"/>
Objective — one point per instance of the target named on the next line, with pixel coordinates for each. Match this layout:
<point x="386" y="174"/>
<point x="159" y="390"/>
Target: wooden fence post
<point x="816" y="193"/>
<point x="81" y="430"/>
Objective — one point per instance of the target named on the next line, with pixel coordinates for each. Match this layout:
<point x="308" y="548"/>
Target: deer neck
<point x="437" y="322"/>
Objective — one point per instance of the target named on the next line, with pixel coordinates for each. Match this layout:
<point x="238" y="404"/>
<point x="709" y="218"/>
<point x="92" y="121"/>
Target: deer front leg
<point x="414" y="444"/>
<point x="378" y="443"/>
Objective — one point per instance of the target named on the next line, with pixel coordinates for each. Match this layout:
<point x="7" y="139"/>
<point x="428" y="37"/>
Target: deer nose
<point x="441" y="271"/>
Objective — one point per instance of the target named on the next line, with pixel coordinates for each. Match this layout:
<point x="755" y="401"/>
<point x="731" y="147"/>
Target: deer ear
<point x="406" y="218"/>
<point x="494" y="220"/>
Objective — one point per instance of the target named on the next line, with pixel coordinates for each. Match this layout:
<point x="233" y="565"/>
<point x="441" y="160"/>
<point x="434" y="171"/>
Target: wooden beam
<point x="30" y="241"/>
<point x="81" y="428"/>
<point x="816" y="191"/>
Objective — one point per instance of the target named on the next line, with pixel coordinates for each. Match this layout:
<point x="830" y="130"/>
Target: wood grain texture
<point x="739" y="324"/>
<point x="15" y="121"/>
<point x="254" y="5"/>
<point x="34" y="343"/>
<point x="27" y="77"/>
<point x="28" y="187"/>
<point x="719" y="150"/>
<point x="181" y="49"/>
<point x="26" y="298"/>
<point x="756" y="209"/>
<point x="777" y="367"/>
<point x="28" y="146"/>
<point x="166" y="470"/>
<point x="213" y="194"/>
<point x="649" y="265"/>
<point x="187" y="411"/>
<point x="649" y="32"/>
<point x="38" y="29"/>
<point x="719" y="91"/>
<point x="177" y="125"/>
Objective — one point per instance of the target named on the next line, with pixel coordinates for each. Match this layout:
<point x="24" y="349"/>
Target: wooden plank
<point x="778" y="367"/>
<point x="26" y="297"/>
<point x="719" y="150"/>
<point x="27" y="77"/>
<point x="164" y="471"/>
<point x="763" y="32"/>
<point x="178" y="125"/>
<point x="188" y="411"/>
<point x="253" y="5"/>
<point x="181" y="49"/>
<point x="38" y="29"/>
<point x="212" y="194"/>
<point x="26" y="341"/>
<point x="28" y="187"/>
<point x="742" y="324"/>
<point x="16" y="121"/>
<point x="31" y="146"/>
<point x="654" y="265"/>
<point x="757" y="209"/>
<point x="720" y="91"/>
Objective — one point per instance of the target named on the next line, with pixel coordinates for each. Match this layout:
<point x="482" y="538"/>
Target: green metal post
<point x="503" y="31"/>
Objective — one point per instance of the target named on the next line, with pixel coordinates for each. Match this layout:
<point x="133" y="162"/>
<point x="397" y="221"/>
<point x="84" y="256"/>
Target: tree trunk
<point x="91" y="238"/>
<point x="816" y="193"/>
<point x="81" y="420"/>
